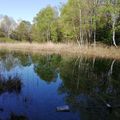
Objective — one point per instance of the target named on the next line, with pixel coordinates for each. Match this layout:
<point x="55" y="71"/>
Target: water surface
<point x="32" y="86"/>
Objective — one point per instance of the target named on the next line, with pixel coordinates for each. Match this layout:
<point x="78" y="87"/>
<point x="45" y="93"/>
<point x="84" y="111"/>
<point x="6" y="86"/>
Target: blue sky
<point x="25" y="9"/>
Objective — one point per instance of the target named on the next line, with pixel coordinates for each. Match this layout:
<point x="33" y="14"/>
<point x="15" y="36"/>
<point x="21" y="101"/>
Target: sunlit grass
<point x="4" y="40"/>
<point x="64" y="48"/>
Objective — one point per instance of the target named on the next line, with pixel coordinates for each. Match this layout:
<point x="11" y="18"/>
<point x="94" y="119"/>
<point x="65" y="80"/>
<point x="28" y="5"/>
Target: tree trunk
<point x="77" y="38"/>
<point x="94" y="37"/>
<point x="113" y="37"/>
<point x="80" y="27"/>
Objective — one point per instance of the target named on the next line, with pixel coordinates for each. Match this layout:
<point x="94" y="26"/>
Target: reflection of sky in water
<point x="37" y="100"/>
<point x="81" y="83"/>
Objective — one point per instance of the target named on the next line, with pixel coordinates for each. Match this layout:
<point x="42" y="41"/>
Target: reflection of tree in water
<point x="11" y="81"/>
<point x="88" y="83"/>
<point x="91" y="84"/>
<point x="13" y="116"/>
<point x="12" y="84"/>
<point x="11" y="60"/>
<point x="47" y="67"/>
<point x="25" y="58"/>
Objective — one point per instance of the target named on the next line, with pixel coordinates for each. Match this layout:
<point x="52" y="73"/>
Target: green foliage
<point x="22" y="31"/>
<point x="2" y="33"/>
<point x="78" y="21"/>
<point x="82" y="19"/>
<point x="47" y="67"/>
<point x="46" y="25"/>
<point x="69" y="20"/>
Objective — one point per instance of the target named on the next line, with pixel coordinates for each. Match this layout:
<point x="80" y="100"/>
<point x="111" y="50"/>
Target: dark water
<point x="32" y="86"/>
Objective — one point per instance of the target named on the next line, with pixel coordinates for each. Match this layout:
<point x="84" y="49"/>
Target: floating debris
<point x="108" y="105"/>
<point x="64" y="108"/>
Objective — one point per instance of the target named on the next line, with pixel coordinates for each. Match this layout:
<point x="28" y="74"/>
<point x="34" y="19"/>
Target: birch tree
<point x="114" y="15"/>
<point x="114" y="9"/>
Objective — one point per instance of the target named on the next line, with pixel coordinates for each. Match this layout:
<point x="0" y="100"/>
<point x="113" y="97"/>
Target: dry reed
<point x="101" y="51"/>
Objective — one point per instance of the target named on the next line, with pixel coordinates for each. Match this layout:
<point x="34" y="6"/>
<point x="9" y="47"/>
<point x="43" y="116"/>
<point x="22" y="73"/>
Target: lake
<point x="32" y="86"/>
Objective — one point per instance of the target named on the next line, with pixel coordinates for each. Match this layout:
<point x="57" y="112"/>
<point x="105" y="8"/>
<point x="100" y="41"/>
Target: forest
<point x="79" y="21"/>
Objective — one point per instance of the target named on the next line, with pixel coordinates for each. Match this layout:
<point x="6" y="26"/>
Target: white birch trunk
<point x="113" y="27"/>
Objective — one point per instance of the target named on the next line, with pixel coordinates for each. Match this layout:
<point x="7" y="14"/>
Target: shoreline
<point x="99" y="51"/>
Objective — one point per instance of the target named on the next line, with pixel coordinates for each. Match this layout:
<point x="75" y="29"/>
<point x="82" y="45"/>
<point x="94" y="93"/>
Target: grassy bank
<point x="66" y="49"/>
<point x="6" y="40"/>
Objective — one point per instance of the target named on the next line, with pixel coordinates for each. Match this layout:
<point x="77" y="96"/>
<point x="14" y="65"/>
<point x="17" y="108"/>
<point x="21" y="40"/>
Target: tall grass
<point x="67" y="49"/>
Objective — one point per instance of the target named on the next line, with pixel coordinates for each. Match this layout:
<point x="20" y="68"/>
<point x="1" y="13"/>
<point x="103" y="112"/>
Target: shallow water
<point x="32" y="86"/>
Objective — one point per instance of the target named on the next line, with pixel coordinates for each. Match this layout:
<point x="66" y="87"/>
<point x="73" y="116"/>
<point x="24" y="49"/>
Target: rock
<point x="64" y="108"/>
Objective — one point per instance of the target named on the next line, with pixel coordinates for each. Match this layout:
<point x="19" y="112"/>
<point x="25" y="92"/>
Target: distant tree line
<point x="83" y="22"/>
